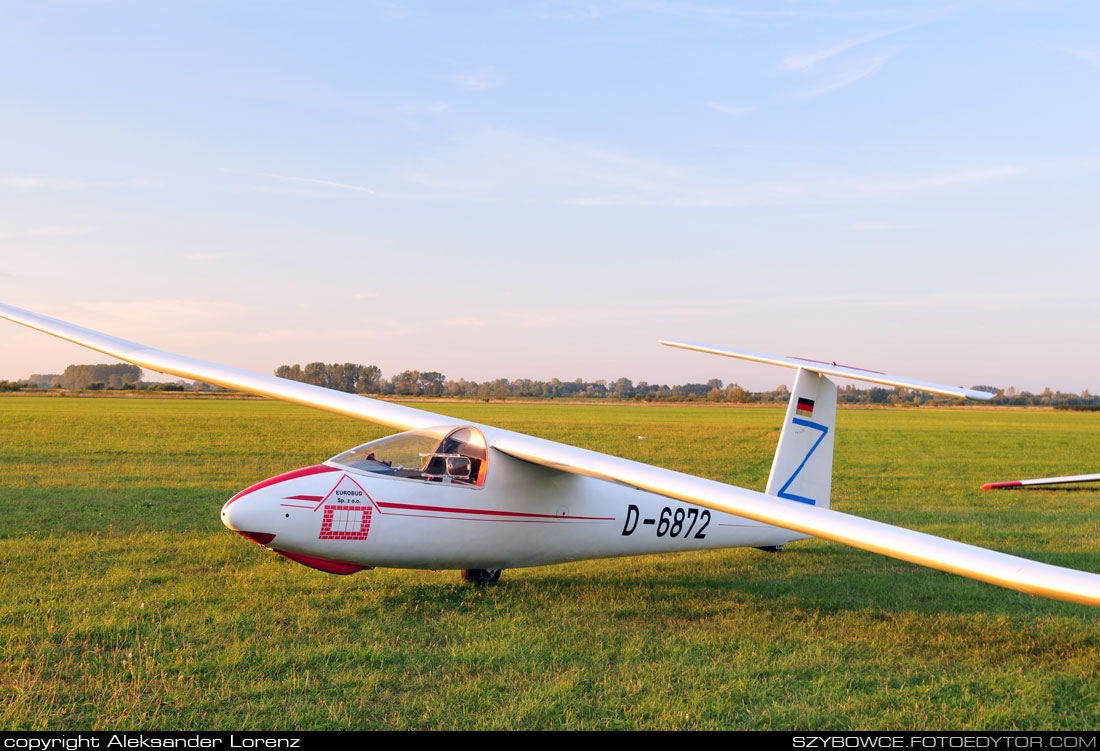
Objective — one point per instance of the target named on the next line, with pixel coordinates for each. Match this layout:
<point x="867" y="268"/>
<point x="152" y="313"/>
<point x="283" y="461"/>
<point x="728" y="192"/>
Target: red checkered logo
<point x="345" y="523"/>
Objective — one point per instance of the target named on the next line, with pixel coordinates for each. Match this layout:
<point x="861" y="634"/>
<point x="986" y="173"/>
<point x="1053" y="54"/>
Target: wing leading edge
<point x="372" y="410"/>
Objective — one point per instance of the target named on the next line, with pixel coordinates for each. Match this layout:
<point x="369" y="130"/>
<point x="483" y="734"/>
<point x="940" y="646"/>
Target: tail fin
<point x="803" y="466"/>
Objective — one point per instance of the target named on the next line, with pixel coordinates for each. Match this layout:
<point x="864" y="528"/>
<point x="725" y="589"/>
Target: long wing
<point x="897" y="542"/>
<point x="373" y="410"/>
<point x="841" y="371"/>
<point x="1041" y="481"/>
<point x="997" y="568"/>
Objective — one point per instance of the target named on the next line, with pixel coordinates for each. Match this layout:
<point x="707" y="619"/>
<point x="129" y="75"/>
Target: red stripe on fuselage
<point x="294" y="474"/>
<point x="487" y="512"/>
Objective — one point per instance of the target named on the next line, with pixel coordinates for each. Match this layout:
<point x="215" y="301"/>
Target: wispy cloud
<point x="203" y="308"/>
<point x="500" y="166"/>
<point x="792" y="191"/>
<point x="36" y="232"/>
<point x="317" y="182"/>
<point x="477" y="80"/>
<point x="326" y="183"/>
<point x="210" y="257"/>
<point x="801" y="61"/>
<point x="831" y="69"/>
<point x="847" y="78"/>
<point x="390" y="10"/>
<point x="588" y="10"/>
<point x="65" y="183"/>
<point x="430" y="108"/>
<point x="725" y="109"/>
<point x="878" y="227"/>
<point x="1089" y="55"/>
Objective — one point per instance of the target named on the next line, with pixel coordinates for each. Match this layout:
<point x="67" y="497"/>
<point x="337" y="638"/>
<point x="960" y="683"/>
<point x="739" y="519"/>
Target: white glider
<point x="1041" y="481"/>
<point x="453" y="494"/>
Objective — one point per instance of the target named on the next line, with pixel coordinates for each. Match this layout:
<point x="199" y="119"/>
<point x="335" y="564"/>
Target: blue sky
<point x="545" y="189"/>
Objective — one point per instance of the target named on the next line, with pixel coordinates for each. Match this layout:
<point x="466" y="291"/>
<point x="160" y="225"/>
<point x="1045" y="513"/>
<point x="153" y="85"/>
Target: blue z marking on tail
<point x="783" y="490"/>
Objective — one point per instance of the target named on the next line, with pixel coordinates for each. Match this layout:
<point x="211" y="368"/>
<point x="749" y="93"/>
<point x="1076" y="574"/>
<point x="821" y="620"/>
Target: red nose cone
<point x="261" y="537"/>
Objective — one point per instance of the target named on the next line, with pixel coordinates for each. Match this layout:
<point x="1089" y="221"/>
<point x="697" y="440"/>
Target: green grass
<point x="126" y="604"/>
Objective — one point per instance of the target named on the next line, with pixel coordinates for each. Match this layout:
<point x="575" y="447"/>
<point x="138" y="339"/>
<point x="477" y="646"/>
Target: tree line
<point x="367" y="379"/>
<point x="118" y="376"/>
<point x="83" y="376"/>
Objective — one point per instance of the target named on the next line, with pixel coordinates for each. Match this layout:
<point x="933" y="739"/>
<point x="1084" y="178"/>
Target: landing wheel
<point x="481" y="575"/>
<point x="771" y="548"/>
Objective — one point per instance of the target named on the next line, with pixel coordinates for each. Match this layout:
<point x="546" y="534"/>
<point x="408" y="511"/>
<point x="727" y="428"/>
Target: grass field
<point x="126" y="604"/>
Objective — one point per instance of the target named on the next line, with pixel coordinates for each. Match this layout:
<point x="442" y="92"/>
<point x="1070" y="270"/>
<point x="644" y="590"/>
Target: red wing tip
<point x="995" y="485"/>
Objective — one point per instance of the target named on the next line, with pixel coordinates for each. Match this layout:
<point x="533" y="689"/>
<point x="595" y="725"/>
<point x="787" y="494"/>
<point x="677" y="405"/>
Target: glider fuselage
<point x="341" y="520"/>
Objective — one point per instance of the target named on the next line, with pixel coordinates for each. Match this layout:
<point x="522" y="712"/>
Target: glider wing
<point x="372" y="410"/>
<point x="897" y="542"/>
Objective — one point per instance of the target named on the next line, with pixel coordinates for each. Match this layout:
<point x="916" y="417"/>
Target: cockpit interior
<point x="446" y="455"/>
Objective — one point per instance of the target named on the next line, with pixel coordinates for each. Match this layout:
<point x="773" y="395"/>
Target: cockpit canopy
<point x="447" y="455"/>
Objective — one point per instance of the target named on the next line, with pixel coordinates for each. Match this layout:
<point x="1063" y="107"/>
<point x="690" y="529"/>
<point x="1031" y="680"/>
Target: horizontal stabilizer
<point x="840" y="371"/>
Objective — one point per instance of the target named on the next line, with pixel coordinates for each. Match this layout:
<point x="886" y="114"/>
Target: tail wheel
<point x="481" y="575"/>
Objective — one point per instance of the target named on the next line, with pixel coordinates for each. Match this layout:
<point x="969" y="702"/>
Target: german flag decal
<point x="805" y="407"/>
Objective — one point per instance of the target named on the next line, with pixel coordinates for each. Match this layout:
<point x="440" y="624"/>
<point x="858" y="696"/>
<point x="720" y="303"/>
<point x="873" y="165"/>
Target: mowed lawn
<point x="126" y="604"/>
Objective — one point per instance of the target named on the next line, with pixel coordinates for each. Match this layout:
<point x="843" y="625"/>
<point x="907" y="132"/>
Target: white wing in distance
<point x="1041" y="481"/>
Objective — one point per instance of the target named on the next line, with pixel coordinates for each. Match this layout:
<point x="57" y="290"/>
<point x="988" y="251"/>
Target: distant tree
<point x="45" y="380"/>
<point x="624" y="388"/>
<point x="430" y="383"/>
<point x="315" y="373"/>
<point x="499" y="389"/>
<point x="737" y="395"/>
<point x="112" y="376"/>
<point x="877" y="395"/>
<point x="293" y="372"/>
<point x="370" y="377"/>
<point x="406" y="383"/>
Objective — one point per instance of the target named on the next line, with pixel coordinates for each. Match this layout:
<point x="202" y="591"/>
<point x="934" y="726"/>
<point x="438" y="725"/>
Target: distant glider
<point x="451" y="494"/>
<point x="1041" y="481"/>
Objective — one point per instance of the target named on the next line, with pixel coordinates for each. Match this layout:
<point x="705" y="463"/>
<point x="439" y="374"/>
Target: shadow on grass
<point x="822" y="581"/>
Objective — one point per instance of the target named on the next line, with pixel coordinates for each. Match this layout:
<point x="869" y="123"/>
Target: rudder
<point x="803" y="466"/>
